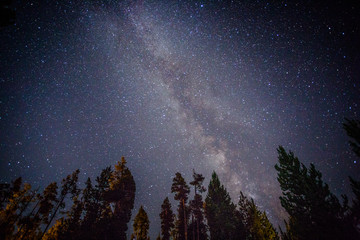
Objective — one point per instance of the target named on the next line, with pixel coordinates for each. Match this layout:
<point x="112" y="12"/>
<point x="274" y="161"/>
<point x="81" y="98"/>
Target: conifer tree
<point x="352" y="128"/>
<point x="54" y="233"/>
<point x="259" y="224"/>
<point x="18" y="200"/>
<point x="316" y="212"/>
<point x="141" y="225"/>
<point x="181" y="190"/>
<point x="68" y="186"/>
<point x="102" y="208"/>
<point x="40" y="212"/>
<point x="167" y="219"/>
<point x="255" y="224"/>
<point x="243" y="216"/>
<point x="174" y="234"/>
<point x="91" y="208"/>
<point x="7" y="191"/>
<point x="220" y="211"/>
<point x="47" y="202"/>
<point x="197" y="210"/>
<point x="354" y="215"/>
<point x="89" y="216"/>
<point x="122" y="195"/>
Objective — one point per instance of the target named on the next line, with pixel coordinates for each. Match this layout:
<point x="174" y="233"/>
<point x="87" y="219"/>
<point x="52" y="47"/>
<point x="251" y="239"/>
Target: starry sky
<point x="176" y="86"/>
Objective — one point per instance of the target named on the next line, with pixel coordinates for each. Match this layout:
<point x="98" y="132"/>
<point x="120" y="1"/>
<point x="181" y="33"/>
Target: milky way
<point x="176" y="86"/>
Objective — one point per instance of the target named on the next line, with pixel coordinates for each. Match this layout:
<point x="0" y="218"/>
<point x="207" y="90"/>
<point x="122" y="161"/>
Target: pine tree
<point x="122" y="195"/>
<point x="54" y="233"/>
<point x="259" y="224"/>
<point x="141" y="225"/>
<point x="352" y="128"/>
<point x="19" y="196"/>
<point x="167" y="219"/>
<point x="91" y="210"/>
<point x="7" y="191"/>
<point x="40" y="212"/>
<point x="243" y="216"/>
<point x="69" y="226"/>
<point x="174" y="234"/>
<point x="102" y="207"/>
<point x="315" y="210"/>
<point x="89" y="216"/>
<point x="220" y="211"/>
<point x="354" y="215"/>
<point x="255" y="224"/>
<point x="68" y="186"/>
<point x="181" y="190"/>
<point x="100" y="212"/>
<point x="196" y="206"/>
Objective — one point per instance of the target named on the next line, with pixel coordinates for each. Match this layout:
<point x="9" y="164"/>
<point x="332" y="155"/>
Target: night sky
<point x="176" y="86"/>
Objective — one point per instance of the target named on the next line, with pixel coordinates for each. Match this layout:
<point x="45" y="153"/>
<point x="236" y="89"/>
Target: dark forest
<point x="102" y="210"/>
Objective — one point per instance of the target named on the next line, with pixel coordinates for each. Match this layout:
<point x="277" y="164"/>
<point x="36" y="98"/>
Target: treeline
<point x="102" y="209"/>
<point x="99" y="211"/>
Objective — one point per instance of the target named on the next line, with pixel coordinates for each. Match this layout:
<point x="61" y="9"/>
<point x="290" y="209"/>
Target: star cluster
<point x="175" y="86"/>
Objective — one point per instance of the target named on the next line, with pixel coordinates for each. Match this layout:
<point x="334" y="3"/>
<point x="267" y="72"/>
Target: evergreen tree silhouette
<point x="40" y="212"/>
<point x="122" y="195"/>
<point x="181" y="190"/>
<point x="316" y="212"/>
<point x="352" y="128"/>
<point x="197" y="209"/>
<point x="220" y="211"/>
<point x="141" y="225"/>
<point x="167" y="219"/>
<point x="16" y="203"/>
<point x="68" y="186"/>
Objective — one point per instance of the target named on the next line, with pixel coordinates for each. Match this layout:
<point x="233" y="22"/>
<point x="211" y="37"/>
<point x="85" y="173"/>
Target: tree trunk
<point x="197" y="227"/>
<point x="22" y="225"/>
<point x="24" y="207"/>
<point x="193" y="229"/>
<point x="52" y="217"/>
<point x="185" y="223"/>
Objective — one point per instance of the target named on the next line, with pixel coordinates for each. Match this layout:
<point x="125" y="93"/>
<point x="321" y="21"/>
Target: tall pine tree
<point x="181" y="190"/>
<point x="141" y="225"/>
<point x="220" y="211"/>
<point x="68" y="187"/>
<point x="19" y="196"/>
<point x="197" y="227"/>
<point x="40" y="212"/>
<point x="315" y="211"/>
<point x="122" y="195"/>
<point x="167" y="219"/>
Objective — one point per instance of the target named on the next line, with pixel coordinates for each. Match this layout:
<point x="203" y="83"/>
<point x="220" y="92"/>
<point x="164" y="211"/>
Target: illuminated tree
<point x="68" y="186"/>
<point x="141" y="225"/>
<point x="18" y="196"/>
